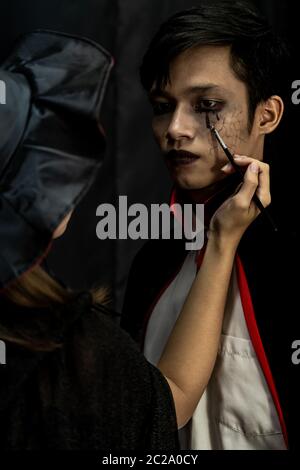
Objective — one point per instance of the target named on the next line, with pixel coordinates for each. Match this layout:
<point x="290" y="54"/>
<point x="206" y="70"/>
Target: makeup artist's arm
<point x="190" y="353"/>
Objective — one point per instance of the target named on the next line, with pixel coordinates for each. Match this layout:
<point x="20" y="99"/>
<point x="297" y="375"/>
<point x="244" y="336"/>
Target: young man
<point x="219" y="64"/>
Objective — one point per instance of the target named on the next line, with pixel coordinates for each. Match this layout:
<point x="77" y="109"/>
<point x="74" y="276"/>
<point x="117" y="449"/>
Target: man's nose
<point x="182" y="126"/>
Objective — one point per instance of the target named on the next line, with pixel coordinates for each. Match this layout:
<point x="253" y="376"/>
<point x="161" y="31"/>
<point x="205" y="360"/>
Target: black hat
<point x="52" y="87"/>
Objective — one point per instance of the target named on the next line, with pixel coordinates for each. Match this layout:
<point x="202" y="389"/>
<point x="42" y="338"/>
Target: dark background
<point x="133" y="166"/>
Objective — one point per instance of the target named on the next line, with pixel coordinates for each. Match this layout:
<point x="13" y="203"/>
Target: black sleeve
<point x="159" y="421"/>
<point x="126" y="394"/>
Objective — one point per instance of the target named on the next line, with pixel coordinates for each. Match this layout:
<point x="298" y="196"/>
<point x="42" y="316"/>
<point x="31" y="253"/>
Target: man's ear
<point x="270" y="114"/>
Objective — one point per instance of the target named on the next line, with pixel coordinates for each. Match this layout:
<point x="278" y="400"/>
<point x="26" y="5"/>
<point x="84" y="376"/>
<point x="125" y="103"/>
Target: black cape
<point x="96" y="392"/>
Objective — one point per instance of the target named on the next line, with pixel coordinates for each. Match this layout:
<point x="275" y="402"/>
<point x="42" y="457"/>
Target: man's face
<point x="202" y="80"/>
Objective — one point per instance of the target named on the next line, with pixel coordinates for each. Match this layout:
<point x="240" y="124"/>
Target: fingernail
<point x="239" y="157"/>
<point x="254" y="168"/>
<point x="226" y="167"/>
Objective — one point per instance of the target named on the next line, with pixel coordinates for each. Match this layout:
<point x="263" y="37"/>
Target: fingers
<point x="249" y="186"/>
<point x="263" y="187"/>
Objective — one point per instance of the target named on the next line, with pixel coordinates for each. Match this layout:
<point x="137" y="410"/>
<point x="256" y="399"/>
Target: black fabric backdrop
<point x="133" y="165"/>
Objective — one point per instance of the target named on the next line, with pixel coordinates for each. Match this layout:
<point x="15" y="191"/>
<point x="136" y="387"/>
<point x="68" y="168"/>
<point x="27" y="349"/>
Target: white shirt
<point x="236" y="412"/>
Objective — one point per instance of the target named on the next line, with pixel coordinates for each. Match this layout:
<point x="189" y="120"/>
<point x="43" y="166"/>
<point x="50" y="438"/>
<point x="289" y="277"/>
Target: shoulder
<point x="134" y="390"/>
<point x="112" y="350"/>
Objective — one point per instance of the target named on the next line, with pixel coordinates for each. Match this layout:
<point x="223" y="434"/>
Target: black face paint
<point x="208" y="125"/>
<point x="208" y="121"/>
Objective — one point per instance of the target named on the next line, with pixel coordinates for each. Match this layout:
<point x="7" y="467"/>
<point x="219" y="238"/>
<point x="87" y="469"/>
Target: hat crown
<point x="50" y="143"/>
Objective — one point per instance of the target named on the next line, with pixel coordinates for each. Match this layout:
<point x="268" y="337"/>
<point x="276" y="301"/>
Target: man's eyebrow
<point x="160" y="93"/>
<point x="203" y="88"/>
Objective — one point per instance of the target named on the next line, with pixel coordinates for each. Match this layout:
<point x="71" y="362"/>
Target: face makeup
<point x="179" y="158"/>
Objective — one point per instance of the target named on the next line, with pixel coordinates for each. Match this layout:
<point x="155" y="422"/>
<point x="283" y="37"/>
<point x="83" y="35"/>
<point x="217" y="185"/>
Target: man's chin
<point x="197" y="184"/>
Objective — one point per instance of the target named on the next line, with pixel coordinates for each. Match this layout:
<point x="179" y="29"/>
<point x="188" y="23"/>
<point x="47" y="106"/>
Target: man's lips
<point x="181" y="157"/>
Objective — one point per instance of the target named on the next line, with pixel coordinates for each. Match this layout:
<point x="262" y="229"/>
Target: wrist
<point x="222" y="243"/>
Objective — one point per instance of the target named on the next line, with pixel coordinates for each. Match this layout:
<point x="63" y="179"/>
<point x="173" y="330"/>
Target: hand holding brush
<point x="238" y="169"/>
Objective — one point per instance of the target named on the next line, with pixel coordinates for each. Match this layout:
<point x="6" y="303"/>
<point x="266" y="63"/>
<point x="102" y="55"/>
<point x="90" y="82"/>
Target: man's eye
<point x="160" y="108"/>
<point x="205" y="106"/>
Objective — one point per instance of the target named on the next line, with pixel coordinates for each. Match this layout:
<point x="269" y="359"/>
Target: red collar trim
<point x="174" y="199"/>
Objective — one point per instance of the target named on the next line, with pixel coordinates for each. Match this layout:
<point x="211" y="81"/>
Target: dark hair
<point x="258" y="56"/>
<point x="37" y="289"/>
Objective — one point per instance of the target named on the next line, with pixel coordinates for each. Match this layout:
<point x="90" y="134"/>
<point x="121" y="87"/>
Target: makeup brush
<point x="227" y="152"/>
